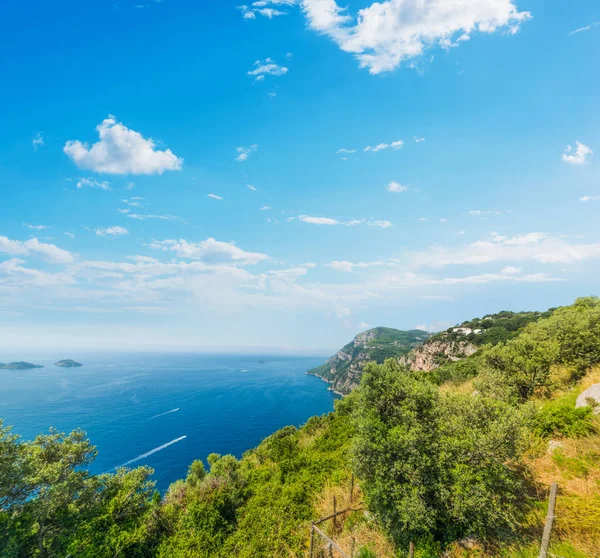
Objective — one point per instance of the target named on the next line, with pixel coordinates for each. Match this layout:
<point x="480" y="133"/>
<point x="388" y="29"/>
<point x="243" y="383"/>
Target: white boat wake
<point x="165" y="413"/>
<point x="151" y="452"/>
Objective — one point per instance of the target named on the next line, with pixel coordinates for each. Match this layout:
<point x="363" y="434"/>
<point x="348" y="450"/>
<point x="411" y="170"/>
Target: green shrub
<point x="561" y="417"/>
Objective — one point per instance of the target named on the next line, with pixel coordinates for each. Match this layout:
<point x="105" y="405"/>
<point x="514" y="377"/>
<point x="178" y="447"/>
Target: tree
<point x="434" y="465"/>
<point x="50" y="505"/>
<point x="396" y="449"/>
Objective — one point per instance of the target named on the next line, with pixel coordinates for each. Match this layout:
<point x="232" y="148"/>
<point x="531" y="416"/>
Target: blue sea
<point x="165" y="410"/>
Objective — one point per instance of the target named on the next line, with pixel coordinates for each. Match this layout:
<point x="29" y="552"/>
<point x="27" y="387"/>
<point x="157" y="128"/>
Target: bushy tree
<point x="50" y="505"/>
<point x="522" y="367"/>
<point x="435" y="465"/>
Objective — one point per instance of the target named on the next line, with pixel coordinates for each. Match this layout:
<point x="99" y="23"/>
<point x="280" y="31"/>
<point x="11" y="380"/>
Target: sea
<point x="164" y="410"/>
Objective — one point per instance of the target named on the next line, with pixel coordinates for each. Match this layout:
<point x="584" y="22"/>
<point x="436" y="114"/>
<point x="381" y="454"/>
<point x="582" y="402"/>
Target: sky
<point x="184" y="175"/>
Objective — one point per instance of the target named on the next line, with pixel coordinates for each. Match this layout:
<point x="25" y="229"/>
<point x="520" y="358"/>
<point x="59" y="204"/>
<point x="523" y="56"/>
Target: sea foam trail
<point x="149" y="453"/>
<point x="165" y="413"/>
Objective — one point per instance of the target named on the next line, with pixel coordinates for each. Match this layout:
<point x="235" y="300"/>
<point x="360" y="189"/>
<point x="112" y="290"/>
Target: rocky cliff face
<point x="436" y="352"/>
<point x="344" y="369"/>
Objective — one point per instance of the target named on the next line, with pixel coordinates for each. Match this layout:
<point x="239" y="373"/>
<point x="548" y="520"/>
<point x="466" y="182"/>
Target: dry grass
<point x="591" y="378"/>
<point x="465" y="388"/>
<point x="353" y="529"/>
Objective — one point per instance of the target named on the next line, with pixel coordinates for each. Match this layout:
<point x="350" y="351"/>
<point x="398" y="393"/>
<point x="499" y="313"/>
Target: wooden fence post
<point x="334" y="516"/>
<point x="549" y="521"/>
<point x="312" y="539"/>
<point x="411" y="549"/>
<point x="351" y="489"/>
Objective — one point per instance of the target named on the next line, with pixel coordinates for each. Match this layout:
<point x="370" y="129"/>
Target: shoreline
<point x="330" y="388"/>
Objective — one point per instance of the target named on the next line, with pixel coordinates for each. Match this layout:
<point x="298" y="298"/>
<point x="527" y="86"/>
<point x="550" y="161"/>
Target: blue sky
<point x="190" y="175"/>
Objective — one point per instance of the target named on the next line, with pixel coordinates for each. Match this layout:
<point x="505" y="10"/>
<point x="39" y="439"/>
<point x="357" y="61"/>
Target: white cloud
<point x="35" y="227"/>
<point x="319" y="220"/>
<point x="381" y="146"/>
<point x="17" y="275"/>
<point x="363" y="325"/>
<point x="352" y="223"/>
<point x="33" y="247"/>
<point x="210" y="251"/>
<point x="339" y="151"/>
<point x="387" y="33"/>
<point x="265" y="8"/>
<point x="37" y="141"/>
<point x="589" y="198"/>
<point x="510" y="270"/>
<point x="265" y="208"/>
<point x="348" y="267"/>
<point x="69" y="235"/>
<point x="419" y="140"/>
<point x="112" y="231"/>
<point x="379" y="224"/>
<point x="267" y="67"/>
<point x="288" y="274"/>
<point x="135" y="201"/>
<point x="214" y="197"/>
<point x="586" y="28"/>
<point x="576" y="155"/>
<point x="250" y="187"/>
<point x="93" y="183"/>
<point x="244" y="152"/>
<point x="396" y="187"/>
<point x="145" y="217"/>
<point x="121" y="151"/>
<point x="534" y="247"/>
<point x="484" y="212"/>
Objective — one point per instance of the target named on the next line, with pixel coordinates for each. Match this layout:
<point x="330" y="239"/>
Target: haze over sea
<point x="165" y="410"/>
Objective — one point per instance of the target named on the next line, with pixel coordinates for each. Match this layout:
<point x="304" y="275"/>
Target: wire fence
<point x="324" y="546"/>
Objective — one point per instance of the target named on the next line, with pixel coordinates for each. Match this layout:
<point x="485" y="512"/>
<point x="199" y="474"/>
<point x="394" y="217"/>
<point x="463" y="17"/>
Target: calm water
<point x="132" y="405"/>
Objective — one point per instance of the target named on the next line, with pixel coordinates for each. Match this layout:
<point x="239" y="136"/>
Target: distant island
<point x="19" y="366"/>
<point x="68" y="363"/>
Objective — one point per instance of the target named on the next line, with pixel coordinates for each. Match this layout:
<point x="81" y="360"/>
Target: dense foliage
<point x="495" y="328"/>
<point x="51" y="506"/>
<point x="435" y="465"/>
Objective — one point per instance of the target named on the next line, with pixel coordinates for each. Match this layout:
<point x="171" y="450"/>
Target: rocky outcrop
<point x="344" y="369"/>
<point x="590" y="397"/>
<point x="437" y="351"/>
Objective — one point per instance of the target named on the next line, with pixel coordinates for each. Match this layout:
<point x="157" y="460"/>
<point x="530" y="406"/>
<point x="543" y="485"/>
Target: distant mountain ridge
<point x="344" y="369"/>
<point x="420" y="350"/>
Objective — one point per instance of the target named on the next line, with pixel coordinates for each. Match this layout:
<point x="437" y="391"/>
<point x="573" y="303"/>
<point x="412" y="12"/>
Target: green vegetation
<point x="494" y="328"/>
<point x="344" y="369"/>
<point x="458" y="462"/>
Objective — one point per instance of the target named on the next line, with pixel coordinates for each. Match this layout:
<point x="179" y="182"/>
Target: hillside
<point x="464" y="340"/>
<point x="344" y="369"/>
<point x="458" y="463"/>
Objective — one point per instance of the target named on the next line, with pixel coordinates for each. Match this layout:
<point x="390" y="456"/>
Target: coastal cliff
<point x="344" y="369"/>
